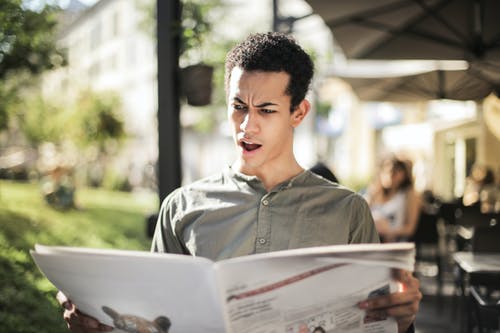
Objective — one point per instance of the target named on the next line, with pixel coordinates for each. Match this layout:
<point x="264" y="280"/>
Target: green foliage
<point x="27" y="38"/>
<point x="95" y="120"/>
<point x="195" y="26"/>
<point x="41" y="120"/>
<point x="105" y="219"/>
<point x="4" y="119"/>
<point x="195" y="23"/>
<point x="98" y="119"/>
<point x="27" y="43"/>
<point x="25" y="294"/>
<point x="116" y="182"/>
<point x="10" y="94"/>
<point x="323" y="109"/>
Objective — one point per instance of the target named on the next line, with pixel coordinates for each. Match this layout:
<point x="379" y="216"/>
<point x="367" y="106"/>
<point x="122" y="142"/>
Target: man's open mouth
<point x="250" y="146"/>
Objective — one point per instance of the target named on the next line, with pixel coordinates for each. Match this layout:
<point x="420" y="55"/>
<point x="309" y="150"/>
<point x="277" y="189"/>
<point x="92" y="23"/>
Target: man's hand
<point x="78" y="322"/>
<point x="402" y="305"/>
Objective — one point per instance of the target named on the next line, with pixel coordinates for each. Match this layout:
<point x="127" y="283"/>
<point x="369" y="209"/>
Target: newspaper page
<point x="311" y="293"/>
<point x="305" y="290"/>
<point x="136" y="291"/>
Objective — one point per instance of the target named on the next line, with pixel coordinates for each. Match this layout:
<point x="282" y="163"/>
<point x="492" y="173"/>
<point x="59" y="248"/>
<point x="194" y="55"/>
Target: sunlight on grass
<point x="103" y="219"/>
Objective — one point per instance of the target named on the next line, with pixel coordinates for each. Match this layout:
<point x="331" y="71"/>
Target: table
<point x="477" y="262"/>
<point x="475" y="266"/>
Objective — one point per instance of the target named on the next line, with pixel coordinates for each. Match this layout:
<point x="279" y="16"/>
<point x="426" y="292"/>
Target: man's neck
<point x="271" y="178"/>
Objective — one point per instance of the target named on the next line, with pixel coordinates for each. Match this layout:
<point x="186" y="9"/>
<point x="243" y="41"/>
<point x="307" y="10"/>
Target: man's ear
<point x="300" y="112"/>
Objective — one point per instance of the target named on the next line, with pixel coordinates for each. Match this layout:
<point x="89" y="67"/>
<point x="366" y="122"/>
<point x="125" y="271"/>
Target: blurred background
<point x="89" y="143"/>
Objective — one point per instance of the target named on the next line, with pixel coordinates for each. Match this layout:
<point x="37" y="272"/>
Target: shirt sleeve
<point x="362" y="228"/>
<point x="165" y="238"/>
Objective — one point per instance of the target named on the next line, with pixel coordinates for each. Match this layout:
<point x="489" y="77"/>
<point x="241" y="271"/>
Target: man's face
<point x="259" y="111"/>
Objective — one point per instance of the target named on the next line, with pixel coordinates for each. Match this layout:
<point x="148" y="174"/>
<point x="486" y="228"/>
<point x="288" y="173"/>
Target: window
<point x="95" y="36"/>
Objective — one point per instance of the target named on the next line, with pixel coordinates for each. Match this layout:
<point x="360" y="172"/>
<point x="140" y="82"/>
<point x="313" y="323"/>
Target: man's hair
<point x="273" y="52"/>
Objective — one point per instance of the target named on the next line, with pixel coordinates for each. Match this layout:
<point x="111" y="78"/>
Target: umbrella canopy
<point x="411" y="81"/>
<point x="421" y="29"/>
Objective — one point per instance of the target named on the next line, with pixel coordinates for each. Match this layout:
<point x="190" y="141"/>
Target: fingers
<point x="402" y="305"/>
<point x="63" y="300"/>
<point x="77" y="321"/>
<point x="395" y="304"/>
<point x="405" y="277"/>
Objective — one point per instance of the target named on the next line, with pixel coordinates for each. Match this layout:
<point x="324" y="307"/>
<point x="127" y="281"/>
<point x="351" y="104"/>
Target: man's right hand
<point x="77" y="321"/>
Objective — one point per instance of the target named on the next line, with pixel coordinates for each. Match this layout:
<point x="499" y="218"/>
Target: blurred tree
<point x="27" y="42"/>
<point x="98" y="128"/>
<point x="94" y="120"/>
<point x="27" y="37"/>
<point x="98" y="120"/>
<point x="41" y="120"/>
<point x="197" y="22"/>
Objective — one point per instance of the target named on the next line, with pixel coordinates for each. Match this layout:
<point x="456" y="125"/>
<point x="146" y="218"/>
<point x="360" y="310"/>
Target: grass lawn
<point x="104" y="219"/>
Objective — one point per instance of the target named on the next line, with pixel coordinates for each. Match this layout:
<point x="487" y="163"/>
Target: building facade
<point x="110" y="49"/>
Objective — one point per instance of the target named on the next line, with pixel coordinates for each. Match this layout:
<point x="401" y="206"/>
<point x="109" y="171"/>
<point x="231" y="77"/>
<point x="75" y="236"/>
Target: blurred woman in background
<point x="394" y="203"/>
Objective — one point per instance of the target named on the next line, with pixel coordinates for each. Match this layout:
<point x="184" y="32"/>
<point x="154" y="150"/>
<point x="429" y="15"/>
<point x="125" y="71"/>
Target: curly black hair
<point x="273" y="52"/>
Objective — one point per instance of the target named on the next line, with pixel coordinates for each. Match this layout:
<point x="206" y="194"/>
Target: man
<point x="266" y="201"/>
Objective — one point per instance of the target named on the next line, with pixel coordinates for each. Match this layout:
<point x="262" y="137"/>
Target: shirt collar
<point x="256" y="183"/>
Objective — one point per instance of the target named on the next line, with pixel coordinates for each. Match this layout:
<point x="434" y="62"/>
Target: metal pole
<point x="169" y="152"/>
<point x="275" y="15"/>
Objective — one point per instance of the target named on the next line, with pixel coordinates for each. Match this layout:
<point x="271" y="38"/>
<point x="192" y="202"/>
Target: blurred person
<point x="393" y="201"/>
<point x="489" y="198"/>
<point x="266" y="201"/>
<point x="58" y="187"/>
<point x="480" y="177"/>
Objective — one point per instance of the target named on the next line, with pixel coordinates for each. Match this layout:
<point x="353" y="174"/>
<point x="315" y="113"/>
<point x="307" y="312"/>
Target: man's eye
<point x="239" y="107"/>
<point x="268" y="111"/>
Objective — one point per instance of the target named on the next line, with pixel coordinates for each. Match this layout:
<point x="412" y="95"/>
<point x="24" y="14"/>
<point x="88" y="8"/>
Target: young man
<point x="266" y="201"/>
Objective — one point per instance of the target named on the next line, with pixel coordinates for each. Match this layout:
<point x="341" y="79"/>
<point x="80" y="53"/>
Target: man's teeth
<point x="250" y="146"/>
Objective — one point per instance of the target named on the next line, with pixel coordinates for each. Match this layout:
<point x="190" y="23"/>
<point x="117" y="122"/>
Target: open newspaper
<point x="294" y="291"/>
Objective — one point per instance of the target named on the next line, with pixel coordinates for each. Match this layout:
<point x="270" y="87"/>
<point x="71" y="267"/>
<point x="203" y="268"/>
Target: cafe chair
<point x="486" y="238"/>
<point x="484" y="301"/>
<point x="484" y="287"/>
<point x="426" y="239"/>
<point x="468" y="219"/>
<point x="447" y="211"/>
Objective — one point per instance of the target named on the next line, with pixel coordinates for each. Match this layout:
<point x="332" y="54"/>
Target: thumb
<point x="63" y="300"/>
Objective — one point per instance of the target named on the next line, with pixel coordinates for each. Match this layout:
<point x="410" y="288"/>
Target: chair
<point x="484" y="299"/>
<point x="469" y="218"/>
<point x="426" y="239"/>
<point x="486" y="238"/>
<point x="447" y="212"/>
<point x="484" y="287"/>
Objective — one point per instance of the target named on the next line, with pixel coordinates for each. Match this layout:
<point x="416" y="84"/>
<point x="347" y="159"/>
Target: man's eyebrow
<point x="262" y="105"/>
<point x="236" y="99"/>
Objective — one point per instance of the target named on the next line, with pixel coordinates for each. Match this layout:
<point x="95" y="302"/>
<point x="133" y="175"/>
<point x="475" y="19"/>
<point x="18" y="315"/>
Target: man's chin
<point x="244" y="165"/>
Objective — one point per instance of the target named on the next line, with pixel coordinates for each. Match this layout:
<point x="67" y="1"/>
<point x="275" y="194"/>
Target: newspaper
<point x="294" y="291"/>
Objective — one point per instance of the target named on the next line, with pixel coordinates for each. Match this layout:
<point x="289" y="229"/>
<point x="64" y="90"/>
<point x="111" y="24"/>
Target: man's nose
<point x="250" y="122"/>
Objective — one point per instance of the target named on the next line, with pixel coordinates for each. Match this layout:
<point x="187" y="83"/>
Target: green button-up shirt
<point x="232" y="214"/>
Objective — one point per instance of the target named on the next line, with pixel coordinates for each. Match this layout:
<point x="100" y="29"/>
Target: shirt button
<point x="262" y="240"/>
<point x="265" y="202"/>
